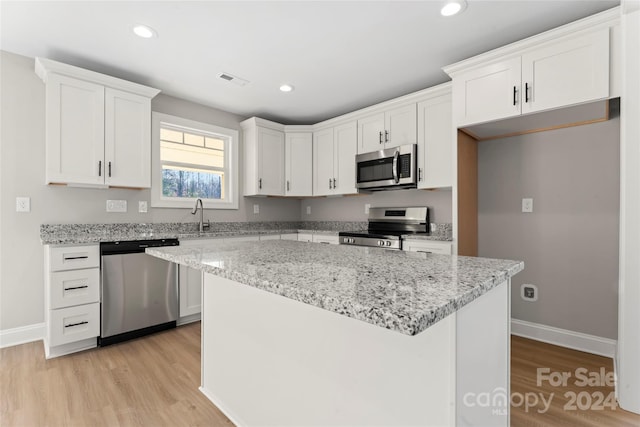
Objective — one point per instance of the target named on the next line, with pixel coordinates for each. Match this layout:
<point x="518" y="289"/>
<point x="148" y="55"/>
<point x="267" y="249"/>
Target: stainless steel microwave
<point x="390" y="169"/>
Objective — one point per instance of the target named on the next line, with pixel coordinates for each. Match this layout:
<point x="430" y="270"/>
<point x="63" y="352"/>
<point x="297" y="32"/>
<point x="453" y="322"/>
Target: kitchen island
<point x="299" y="333"/>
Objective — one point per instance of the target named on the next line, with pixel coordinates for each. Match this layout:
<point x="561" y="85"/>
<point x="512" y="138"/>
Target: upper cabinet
<point x="298" y="164"/>
<point x="567" y="71"/>
<point x="390" y="128"/>
<point x="264" y="152"/>
<point x="435" y="141"/>
<point x="334" y="152"/>
<point x="98" y="128"/>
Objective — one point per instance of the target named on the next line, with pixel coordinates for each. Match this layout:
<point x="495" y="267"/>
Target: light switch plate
<point x="142" y="206"/>
<point x="23" y="204"/>
<point x="256" y="208"/>
<point x="308" y="210"/>
<point x="367" y="206"/>
<point x="116" y="205"/>
<point x="527" y="205"/>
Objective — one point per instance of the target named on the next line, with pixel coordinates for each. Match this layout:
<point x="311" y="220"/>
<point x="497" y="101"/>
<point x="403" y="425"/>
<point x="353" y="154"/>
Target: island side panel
<point x="483" y="359"/>
<point x="269" y="360"/>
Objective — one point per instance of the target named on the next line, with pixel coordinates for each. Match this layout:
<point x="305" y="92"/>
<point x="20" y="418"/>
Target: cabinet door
<point x="344" y="163"/>
<point x="371" y="133"/>
<point x="400" y="126"/>
<point x="435" y="143"/>
<point x="74" y="131"/>
<point x="299" y="164"/>
<point x="270" y="162"/>
<point x="566" y="73"/>
<point x="487" y="93"/>
<point x="190" y="291"/>
<point x="127" y="139"/>
<point x="323" y="156"/>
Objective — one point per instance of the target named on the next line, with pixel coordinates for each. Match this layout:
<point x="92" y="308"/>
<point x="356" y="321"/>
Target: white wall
<point x="22" y="148"/>
<point x="351" y="208"/>
<point x="569" y="244"/>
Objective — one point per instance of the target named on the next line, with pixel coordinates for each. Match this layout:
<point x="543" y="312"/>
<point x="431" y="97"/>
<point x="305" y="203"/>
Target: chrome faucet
<point x="201" y="225"/>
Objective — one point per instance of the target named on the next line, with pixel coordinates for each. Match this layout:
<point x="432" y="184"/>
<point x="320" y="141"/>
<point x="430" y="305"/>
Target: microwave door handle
<point x="394" y="166"/>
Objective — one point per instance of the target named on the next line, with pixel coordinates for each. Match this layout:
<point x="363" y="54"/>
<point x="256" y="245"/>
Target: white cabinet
<point x="299" y="164"/>
<point x="567" y="71"/>
<point x="435" y="142"/>
<point x="429" y="246"/>
<point x="264" y="151"/>
<point x="98" y="128"/>
<point x="334" y="152"/>
<point x="72" y="299"/>
<point x="289" y="236"/>
<point x="387" y="129"/>
<point x="305" y="237"/>
<point x="331" y="239"/>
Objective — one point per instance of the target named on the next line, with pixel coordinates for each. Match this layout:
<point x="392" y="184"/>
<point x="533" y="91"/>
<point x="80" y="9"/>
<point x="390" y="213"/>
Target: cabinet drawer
<point x="74" y="257"/>
<point x="443" y="248"/>
<point x="74" y="324"/>
<point x="304" y="237"/>
<point x="75" y="287"/>
<point x="270" y="237"/>
<point x="333" y="240"/>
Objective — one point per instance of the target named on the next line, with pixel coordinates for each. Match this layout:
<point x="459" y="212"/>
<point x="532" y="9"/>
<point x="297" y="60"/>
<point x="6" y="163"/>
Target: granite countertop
<point x="61" y="234"/>
<point x="403" y="291"/>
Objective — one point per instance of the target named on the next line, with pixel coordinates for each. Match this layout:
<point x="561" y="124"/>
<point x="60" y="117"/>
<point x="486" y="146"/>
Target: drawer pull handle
<point x="425" y="252"/>
<point x="70" y="325"/>
<point x="76" y="287"/>
<point x="70" y="258"/>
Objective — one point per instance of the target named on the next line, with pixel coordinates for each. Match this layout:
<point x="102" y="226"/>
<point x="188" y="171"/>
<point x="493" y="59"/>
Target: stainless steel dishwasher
<point x="139" y="293"/>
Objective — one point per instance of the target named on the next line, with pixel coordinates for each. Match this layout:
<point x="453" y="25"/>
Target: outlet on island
<point x="529" y="292"/>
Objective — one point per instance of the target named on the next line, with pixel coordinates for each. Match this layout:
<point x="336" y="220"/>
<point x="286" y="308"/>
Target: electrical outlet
<point x="529" y="292"/>
<point x="23" y="204"/>
<point x="367" y="206"/>
<point x="142" y="206"/>
<point x="527" y="205"/>
<point x="308" y="210"/>
<point x="256" y="209"/>
<point x="116" y="205"/>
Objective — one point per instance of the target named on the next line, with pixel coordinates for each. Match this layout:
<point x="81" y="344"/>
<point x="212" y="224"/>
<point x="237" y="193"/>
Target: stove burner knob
<point x="388" y="243"/>
<point x="380" y="242"/>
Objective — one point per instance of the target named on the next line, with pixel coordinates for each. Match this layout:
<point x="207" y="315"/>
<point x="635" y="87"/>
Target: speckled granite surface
<point x="402" y="291"/>
<point x="52" y="234"/>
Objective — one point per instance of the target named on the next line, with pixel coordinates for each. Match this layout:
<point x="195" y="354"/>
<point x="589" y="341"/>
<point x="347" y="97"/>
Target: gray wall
<point x="351" y="208"/>
<point x="22" y="150"/>
<point x="570" y="242"/>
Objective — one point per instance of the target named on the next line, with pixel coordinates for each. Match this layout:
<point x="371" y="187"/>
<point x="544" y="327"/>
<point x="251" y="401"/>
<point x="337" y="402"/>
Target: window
<point x="193" y="160"/>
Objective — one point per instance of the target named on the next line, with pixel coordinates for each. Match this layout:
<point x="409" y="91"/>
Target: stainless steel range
<point x="387" y="226"/>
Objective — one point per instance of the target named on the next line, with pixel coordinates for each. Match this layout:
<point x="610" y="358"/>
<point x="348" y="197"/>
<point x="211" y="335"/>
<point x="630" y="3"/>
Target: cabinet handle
<point x="514" y="95"/>
<point x="386" y="136"/>
<point x="419" y="174"/>
<point x="100" y="168"/>
<point x="287" y="185"/>
<point x="260" y="184"/>
<point x="526" y="92"/>
<point x="380" y="138"/>
<point x="334" y="183"/>
<point x="329" y="183"/>
<point x="76" y="287"/>
<point x="109" y="169"/>
<point x="74" y="257"/>
<point x="425" y="252"/>
<point x="70" y="325"/>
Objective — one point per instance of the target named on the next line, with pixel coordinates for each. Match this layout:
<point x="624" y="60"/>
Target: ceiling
<point x="339" y="55"/>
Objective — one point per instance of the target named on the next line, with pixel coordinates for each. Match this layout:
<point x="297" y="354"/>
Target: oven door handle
<point x="396" y="175"/>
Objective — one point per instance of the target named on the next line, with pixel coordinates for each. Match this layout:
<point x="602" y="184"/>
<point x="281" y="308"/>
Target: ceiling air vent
<point x="233" y="79"/>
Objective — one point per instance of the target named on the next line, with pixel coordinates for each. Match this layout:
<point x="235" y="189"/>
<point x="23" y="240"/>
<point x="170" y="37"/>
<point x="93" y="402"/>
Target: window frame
<point x="231" y="170"/>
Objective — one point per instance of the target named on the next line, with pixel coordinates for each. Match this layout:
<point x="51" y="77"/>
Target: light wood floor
<point x="527" y="356"/>
<point x="153" y="381"/>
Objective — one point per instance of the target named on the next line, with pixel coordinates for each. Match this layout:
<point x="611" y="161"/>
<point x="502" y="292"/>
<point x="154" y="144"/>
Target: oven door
<point x="387" y="169"/>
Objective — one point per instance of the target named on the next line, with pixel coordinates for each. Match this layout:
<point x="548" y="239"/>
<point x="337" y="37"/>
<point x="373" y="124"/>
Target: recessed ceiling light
<point x="453" y="7"/>
<point x="144" y="31"/>
<point x="286" y="88"/>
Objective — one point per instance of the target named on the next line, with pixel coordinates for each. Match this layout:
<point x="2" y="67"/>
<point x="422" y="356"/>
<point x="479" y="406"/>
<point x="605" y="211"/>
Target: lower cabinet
<point x="428" y="246"/>
<point x="72" y="299"/>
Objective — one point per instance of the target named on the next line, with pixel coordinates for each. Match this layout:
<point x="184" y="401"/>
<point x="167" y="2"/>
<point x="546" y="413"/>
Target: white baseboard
<point x="564" y="338"/>
<point x="21" y="335"/>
